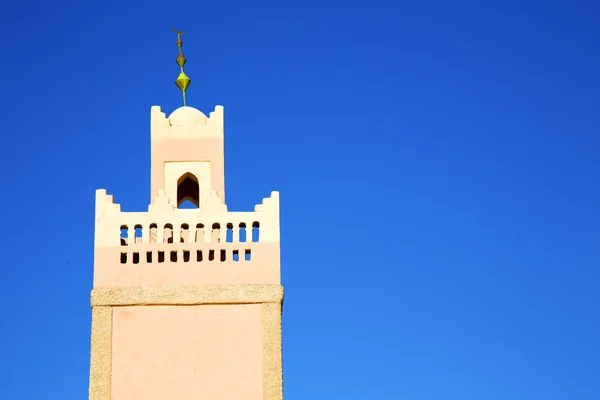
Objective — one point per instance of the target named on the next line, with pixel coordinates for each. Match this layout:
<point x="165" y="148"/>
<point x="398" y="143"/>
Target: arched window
<point x="215" y="236"/>
<point x="153" y="233"/>
<point x="168" y="234"/>
<point x="138" y="234"/>
<point x="185" y="233"/>
<point x="124" y="235"/>
<point x="229" y="233"/>
<point x="242" y="232"/>
<point x="188" y="191"/>
<point x="255" y="231"/>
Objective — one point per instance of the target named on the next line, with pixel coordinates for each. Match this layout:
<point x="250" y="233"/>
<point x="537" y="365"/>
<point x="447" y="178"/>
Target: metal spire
<point x="182" y="80"/>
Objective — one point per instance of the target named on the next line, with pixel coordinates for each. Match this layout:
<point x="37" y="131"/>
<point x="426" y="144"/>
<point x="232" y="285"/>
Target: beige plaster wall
<point x="262" y="268"/>
<point x="187" y="135"/>
<point x="187" y="352"/>
<point x="213" y="341"/>
<point x="172" y="150"/>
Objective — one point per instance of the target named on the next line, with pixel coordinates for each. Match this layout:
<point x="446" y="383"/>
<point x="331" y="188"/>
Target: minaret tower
<point x="186" y="302"/>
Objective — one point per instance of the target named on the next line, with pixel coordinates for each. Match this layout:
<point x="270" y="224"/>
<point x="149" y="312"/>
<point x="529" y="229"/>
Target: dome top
<point x="187" y="116"/>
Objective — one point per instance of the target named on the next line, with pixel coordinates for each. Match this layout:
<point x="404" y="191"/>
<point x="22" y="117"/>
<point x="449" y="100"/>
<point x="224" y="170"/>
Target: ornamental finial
<point x="182" y="80"/>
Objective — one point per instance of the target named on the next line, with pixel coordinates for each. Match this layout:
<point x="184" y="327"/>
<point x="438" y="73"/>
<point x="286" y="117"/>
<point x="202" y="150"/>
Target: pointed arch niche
<point x="188" y="191"/>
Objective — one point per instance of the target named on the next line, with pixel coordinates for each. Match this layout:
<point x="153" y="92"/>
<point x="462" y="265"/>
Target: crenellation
<point x="213" y="203"/>
<point x="216" y="118"/>
<point x="270" y="209"/>
<point x="102" y="197"/>
<point x="162" y="202"/>
<point x="186" y="122"/>
<point x="106" y="209"/>
<point x="156" y="113"/>
<point x="269" y="204"/>
<point x="158" y="121"/>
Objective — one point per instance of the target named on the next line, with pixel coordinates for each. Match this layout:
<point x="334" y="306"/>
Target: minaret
<point x="186" y="303"/>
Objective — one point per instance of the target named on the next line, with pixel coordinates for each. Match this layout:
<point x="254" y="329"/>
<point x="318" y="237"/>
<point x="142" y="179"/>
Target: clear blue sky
<point x="437" y="162"/>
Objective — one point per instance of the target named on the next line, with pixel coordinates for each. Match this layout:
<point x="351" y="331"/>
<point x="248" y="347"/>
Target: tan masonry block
<point x="272" y="359"/>
<point x="101" y="353"/>
<point x="209" y="294"/>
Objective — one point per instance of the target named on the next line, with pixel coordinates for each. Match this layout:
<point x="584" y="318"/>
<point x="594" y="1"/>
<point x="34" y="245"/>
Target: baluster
<point x="207" y="234"/>
<point x="160" y="233"/>
<point x="191" y="237"/>
<point x="131" y="235"/>
<point x="235" y="237"/>
<point x="223" y="233"/>
<point x="176" y="234"/>
<point x="199" y="236"/>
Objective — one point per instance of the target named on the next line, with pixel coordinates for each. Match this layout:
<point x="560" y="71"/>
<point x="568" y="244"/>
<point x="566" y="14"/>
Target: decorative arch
<point x="188" y="189"/>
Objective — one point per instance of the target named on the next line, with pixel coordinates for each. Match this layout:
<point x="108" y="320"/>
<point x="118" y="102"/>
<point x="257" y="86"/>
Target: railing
<point x="133" y="234"/>
<point x="236" y="237"/>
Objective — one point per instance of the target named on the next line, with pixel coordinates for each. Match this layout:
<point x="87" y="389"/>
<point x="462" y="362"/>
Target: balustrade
<point x="165" y="234"/>
<point x="132" y="234"/>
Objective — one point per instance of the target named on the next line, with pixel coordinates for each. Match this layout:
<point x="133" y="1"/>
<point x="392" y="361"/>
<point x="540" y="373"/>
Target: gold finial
<point x="182" y="80"/>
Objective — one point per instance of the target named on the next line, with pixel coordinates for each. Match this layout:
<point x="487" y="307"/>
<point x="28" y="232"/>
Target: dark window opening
<point x="153" y="233"/>
<point x="184" y="233"/>
<point x="229" y="233"/>
<point x="255" y="231"/>
<point x="242" y="232"/>
<point x="188" y="191"/>
<point x="168" y="233"/>
<point x="138" y="234"/>
<point x="124" y="235"/>
<point x="215" y="236"/>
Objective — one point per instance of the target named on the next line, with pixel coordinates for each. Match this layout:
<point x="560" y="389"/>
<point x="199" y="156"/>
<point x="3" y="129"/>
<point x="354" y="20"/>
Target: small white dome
<point x="187" y="116"/>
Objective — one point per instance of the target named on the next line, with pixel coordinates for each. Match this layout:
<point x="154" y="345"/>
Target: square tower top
<point x="207" y="244"/>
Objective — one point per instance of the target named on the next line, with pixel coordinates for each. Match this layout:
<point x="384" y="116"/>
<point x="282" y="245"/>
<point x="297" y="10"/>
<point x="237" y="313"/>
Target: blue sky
<point x="437" y="163"/>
